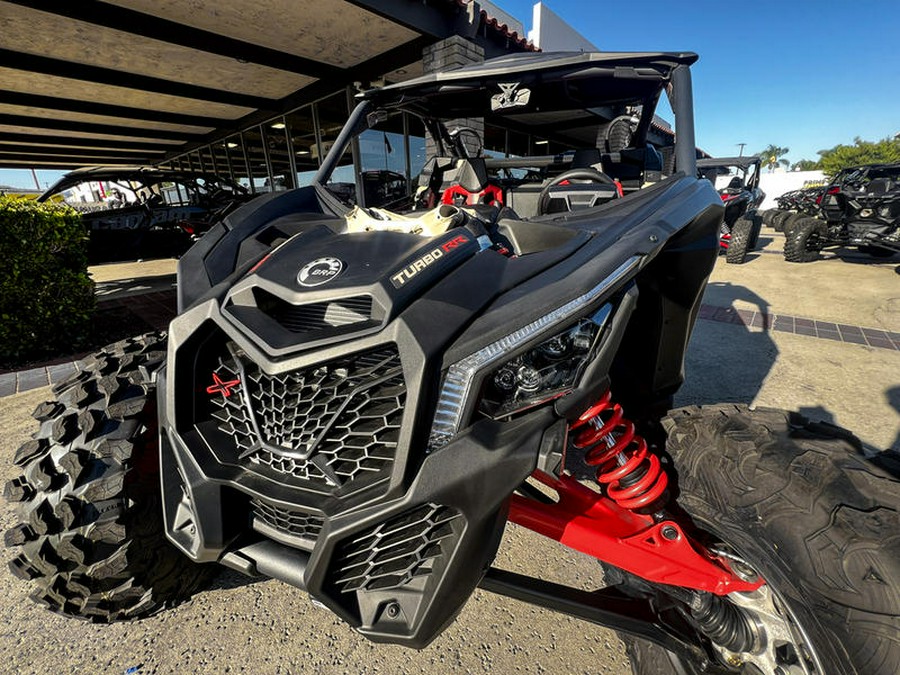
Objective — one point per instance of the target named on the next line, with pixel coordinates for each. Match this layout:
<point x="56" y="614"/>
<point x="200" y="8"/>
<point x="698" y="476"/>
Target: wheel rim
<point x="812" y="241"/>
<point x="783" y="645"/>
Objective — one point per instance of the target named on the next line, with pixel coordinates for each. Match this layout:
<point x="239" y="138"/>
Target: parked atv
<point x="144" y="212"/>
<point x="793" y="206"/>
<point x="356" y="401"/>
<point x="805" y="200"/>
<point x="861" y="208"/>
<point x="741" y="197"/>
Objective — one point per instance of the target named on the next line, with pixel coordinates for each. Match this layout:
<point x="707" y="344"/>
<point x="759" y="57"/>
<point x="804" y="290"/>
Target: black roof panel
<point x="139" y="174"/>
<point x="556" y="80"/>
<point x="711" y="162"/>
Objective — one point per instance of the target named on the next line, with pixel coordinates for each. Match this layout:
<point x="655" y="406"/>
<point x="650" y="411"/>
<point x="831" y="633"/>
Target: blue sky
<point x="801" y="74"/>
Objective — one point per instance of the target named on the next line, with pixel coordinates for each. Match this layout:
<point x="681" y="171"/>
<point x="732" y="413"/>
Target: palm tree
<point x="772" y="156"/>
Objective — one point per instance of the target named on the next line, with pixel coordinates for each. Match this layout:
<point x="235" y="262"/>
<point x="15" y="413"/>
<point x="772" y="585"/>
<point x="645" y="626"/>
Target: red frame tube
<point x="591" y="523"/>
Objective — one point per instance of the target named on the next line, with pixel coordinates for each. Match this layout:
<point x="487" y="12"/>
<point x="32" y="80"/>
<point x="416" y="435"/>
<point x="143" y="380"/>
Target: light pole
<point x="741" y="145"/>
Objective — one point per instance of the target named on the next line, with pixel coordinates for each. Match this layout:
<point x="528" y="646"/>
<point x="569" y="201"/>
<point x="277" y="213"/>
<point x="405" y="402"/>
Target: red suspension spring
<point x="633" y="476"/>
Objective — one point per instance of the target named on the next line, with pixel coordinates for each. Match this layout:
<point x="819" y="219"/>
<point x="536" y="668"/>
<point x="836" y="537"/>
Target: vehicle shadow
<point x="751" y="255"/>
<point x="229" y="579"/>
<point x="817" y="414"/>
<point x="126" y="287"/>
<point x="888" y="459"/>
<point x="893" y="398"/>
<point x="856" y="257"/>
<point x="731" y="352"/>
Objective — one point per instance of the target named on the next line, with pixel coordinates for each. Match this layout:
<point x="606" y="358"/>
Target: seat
<point x="586" y="158"/>
<point x="879" y="186"/>
<point x="467" y="183"/>
<point x="634" y="166"/>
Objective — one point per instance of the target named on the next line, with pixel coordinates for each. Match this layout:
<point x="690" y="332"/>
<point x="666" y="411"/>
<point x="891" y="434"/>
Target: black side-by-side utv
<point x="356" y="398"/>
<point x="133" y="212"/>
<point x="741" y="197"/>
<point x="859" y="208"/>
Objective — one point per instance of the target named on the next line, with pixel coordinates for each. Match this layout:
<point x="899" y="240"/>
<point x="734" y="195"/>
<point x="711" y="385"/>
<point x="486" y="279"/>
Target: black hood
<point x="319" y="286"/>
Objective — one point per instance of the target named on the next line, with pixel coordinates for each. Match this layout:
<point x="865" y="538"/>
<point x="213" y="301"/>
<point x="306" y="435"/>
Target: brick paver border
<point x="158" y="308"/>
<point x="787" y="323"/>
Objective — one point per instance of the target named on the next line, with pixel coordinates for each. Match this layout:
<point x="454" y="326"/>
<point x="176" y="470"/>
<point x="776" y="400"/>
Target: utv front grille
<point x="317" y="315"/>
<point x="397" y="551"/>
<point x="292" y="523"/>
<point x="284" y="325"/>
<point x="330" y="424"/>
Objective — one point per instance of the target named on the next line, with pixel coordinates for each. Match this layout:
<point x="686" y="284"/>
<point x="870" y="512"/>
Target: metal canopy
<point x="141" y="81"/>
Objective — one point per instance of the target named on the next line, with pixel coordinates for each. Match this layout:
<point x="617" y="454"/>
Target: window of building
<point x="220" y="160"/>
<point x="495" y="144"/>
<point x="383" y="162"/>
<point x="275" y="135"/>
<point x="256" y="154"/>
<point x="206" y="160"/>
<point x="332" y="112"/>
<point x="235" y="156"/>
<point x="302" y="131"/>
<point x="417" y="142"/>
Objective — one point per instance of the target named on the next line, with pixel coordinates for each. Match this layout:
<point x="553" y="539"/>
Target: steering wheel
<point x="573" y="174"/>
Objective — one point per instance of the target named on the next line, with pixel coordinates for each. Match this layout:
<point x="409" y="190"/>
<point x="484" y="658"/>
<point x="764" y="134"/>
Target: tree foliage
<point x="773" y="155"/>
<point x="805" y="165"/>
<point x="46" y="295"/>
<point x="885" y="151"/>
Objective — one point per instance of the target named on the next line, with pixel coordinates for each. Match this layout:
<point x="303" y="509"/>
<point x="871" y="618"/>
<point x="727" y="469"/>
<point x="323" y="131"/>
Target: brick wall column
<point x="454" y="52"/>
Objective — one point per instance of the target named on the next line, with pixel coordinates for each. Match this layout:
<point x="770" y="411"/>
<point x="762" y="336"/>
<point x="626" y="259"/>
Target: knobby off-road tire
<point x="744" y="237"/>
<point x="91" y="530"/>
<point x="778" y="220"/>
<point x="616" y="136"/>
<point x="818" y="521"/>
<point x="788" y="225"/>
<point x="756" y="219"/>
<point x="739" y="244"/>
<point x="803" y="241"/>
<point x="768" y="215"/>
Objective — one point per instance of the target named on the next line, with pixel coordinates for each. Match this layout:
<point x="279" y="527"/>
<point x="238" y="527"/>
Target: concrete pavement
<point x="831" y="348"/>
<point x="739" y="352"/>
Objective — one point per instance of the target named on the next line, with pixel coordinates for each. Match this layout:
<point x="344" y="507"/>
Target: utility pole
<point x="741" y="145"/>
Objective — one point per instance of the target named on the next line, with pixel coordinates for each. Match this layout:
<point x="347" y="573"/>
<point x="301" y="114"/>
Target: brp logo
<point x="319" y="271"/>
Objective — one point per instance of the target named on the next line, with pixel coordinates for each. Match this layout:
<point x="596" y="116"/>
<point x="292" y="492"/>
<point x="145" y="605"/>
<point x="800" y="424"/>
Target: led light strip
<point x="458" y="383"/>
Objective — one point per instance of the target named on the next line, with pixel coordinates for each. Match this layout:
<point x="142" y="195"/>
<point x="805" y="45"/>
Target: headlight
<point x="457" y="386"/>
<point x="544" y="373"/>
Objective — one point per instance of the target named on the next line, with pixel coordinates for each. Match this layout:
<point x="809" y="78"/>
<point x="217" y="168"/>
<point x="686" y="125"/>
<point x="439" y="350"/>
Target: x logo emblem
<point x="223" y="386"/>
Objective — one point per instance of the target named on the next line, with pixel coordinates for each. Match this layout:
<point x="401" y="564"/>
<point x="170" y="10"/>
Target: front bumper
<point x="396" y="557"/>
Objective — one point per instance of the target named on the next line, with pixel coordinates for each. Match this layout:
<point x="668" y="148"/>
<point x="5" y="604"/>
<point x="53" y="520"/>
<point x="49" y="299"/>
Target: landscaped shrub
<point x="46" y="295"/>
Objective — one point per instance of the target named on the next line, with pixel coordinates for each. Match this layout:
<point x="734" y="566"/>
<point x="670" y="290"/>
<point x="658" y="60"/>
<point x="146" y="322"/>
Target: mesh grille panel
<point x="333" y="423"/>
<point x="295" y="523"/>
<point x="396" y="551"/>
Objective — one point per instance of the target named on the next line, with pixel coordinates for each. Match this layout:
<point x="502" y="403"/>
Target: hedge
<point x="46" y="295"/>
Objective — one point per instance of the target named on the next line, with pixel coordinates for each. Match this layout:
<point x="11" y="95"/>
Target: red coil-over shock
<point x="624" y="525"/>
<point x="633" y="476"/>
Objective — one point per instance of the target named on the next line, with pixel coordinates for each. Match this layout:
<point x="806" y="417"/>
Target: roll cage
<point x="559" y="97"/>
